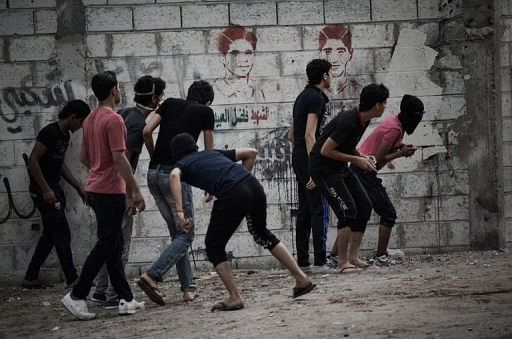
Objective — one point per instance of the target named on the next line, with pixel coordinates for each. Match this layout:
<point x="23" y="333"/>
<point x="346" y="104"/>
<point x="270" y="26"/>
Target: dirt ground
<point x="462" y="295"/>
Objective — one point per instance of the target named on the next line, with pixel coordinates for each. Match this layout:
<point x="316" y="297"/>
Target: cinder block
<point x="182" y="42"/>
<point x="16" y="22"/>
<point x="507" y="223"/>
<point x="454" y="233"/>
<point x="393" y="10"/>
<point x="3" y="3"/>
<point x="253" y="14"/>
<point x="14" y="73"/>
<point x="505" y="54"/>
<point x="46" y="21"/>
<point x="6" y="258"/>
<point x="32" y="48"/>
<point x="130" y="2"/>
<point x="372" y="35"/>
<point x="215" y="15"/>
<point x="453" y="208"/>
<point x="507" y="202"/>
<point x="152" y="224"/>
<point x="99" y="19"/>
<point x="507" y="129"/>
<point x="279" y="39"/>
<point x="133" y="44"/>
<point x="96" y="45"/>
<point x="506" y="7"/>
<point x="15" y="231"/>
<point x="507" y="154"/>
<point x="94" y="2"/>
<point x="31" y="3"/>
<point x="146" y="249"/>
<point x="506" y="106"/>
<point x="305" y="13"/>
<point x="156" y="17"/>
<point x="414" y="235"/>
<point x="343" y="11"/>
<point x="7" y="153"/>
<point x="507" y="34"/>
<point x="452" y="183"/>
<point x="507" y="179"/>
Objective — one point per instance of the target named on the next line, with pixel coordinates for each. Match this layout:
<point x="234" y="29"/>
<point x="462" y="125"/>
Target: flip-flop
<point x="298" y="291"/>
<point x="346" y="270"/>
<point x="151" y="292"/>
<point x="222" y="306"/>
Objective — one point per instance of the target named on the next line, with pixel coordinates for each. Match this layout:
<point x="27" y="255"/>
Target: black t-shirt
<point x="214" y="171"/>
<point x="310" y="100"/>
<point x="52" y="160"/>
<point x="135" y="123"/>
<point x="346" y="130"/>
<point x="179" y="116"/>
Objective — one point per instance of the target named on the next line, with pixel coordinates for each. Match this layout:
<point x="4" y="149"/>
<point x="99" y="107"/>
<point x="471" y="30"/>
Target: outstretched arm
<point x="247" y="156"/>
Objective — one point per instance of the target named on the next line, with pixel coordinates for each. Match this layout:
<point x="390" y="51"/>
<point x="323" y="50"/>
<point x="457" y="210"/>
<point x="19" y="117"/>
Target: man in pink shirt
<point x="385" y="144"/>
<point x="111" y="191"/>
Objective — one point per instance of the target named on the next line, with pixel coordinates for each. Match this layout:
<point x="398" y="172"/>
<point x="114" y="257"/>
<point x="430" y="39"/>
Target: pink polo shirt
<point x="104" y="132"/>
<point x="389" y="132"/>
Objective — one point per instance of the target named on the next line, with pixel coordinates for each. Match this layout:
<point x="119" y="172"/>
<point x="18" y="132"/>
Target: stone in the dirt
<point x="46" y="303"/>
<point x="396" y="254"/>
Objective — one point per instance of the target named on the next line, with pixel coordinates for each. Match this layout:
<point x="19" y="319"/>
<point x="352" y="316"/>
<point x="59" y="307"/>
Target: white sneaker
<point x="131" y="307"/>
<point x="323" y="270"/>
<point x="78" y="308"/>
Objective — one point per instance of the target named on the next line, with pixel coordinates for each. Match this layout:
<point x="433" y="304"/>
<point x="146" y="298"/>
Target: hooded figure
<point x="411" y="112"/>
<point x="182" y="145"/>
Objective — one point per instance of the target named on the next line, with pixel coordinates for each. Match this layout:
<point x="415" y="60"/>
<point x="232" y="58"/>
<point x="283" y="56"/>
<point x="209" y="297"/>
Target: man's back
<point x="310" y="100"/>
<point x="104" y="132"/>
<point x="179" y="116"/>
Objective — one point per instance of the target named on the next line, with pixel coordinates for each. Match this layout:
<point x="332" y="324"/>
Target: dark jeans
<point x="246" y="199"/>
<point x="55" y="233"/>
<point x="311" y="215"/>
<point x="109" y="210"/>
<point x="382" y="204"/>
<point x="348" y="199"/>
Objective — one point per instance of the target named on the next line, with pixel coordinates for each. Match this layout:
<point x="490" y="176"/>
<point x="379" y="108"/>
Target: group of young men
<point x="112" y="142"/>
<point x="321" y="156"/>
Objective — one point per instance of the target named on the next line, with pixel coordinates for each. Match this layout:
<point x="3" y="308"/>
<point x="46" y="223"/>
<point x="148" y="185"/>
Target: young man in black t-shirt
<point x="175" y="116"/>
<point x="46" y="165"/>
<point x="239" y="195"/>
<point x="148" y="95"/>
<point x="328" y="165"/>
<point x="308" y="120"/>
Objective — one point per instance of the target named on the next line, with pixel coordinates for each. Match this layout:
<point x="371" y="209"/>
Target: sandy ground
<point x="462" y="295"/>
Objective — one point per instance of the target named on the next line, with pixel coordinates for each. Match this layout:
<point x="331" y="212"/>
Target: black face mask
<point x="410" y="120"/>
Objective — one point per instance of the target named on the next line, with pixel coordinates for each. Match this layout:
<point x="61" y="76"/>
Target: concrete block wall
<point x="402" y="43"/>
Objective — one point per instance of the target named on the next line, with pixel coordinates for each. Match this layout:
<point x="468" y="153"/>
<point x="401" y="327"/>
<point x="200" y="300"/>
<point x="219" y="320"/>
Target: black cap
<point x="183" y="144"/>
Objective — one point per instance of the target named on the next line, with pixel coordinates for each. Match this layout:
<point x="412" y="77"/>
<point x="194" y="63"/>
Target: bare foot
<point x="358" y="263"/>
<point x="302" y="283"/>
<point x="190" y="296"/>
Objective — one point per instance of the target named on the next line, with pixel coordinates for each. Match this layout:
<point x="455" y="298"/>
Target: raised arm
<point x="247" y="156"/>
<point x="147" y="133"/>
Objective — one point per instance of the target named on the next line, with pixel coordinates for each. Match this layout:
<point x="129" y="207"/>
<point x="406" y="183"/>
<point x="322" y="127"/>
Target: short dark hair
<point x="102" y="83"/>
<point x="371" y="95"/>
<point x="316" y="69"/>
<point x="200" y="91"/>
<point x="145" y="85"/>
<point x="77" y="107"/>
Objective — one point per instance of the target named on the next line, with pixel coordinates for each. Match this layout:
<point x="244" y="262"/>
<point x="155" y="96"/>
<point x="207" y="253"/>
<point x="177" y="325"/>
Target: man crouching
<point x="239" y="195"/>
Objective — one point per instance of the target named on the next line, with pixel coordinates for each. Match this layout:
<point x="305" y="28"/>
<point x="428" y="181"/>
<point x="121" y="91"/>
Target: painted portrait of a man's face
<point x="335" y="45"/>
<point x="238" y="47"/>
<point x="239" y="58"/>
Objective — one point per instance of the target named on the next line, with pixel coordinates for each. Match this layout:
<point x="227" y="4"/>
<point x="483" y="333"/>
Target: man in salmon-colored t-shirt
<point x="111" y="191"/>
<point x="385" y="144"/>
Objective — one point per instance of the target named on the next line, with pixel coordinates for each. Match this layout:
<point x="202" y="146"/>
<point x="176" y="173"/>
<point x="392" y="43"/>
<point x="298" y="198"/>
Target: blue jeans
<point x="177" y="251"/>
